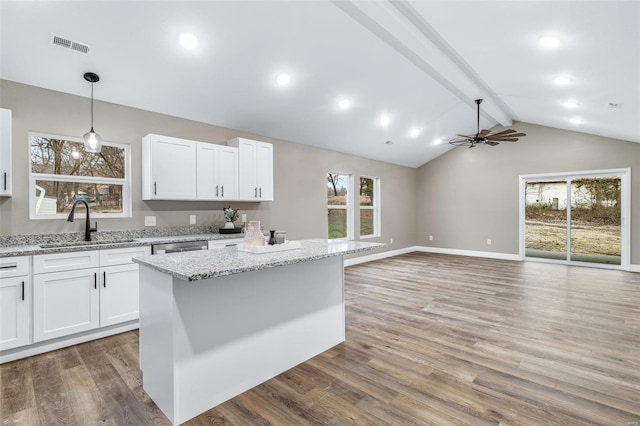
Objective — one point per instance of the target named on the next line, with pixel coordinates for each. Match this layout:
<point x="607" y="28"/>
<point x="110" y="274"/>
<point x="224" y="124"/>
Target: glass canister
<point x="253" y="236"/>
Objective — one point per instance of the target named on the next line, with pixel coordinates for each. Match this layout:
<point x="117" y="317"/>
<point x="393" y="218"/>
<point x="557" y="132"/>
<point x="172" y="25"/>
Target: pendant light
<point x="92" y="140"/>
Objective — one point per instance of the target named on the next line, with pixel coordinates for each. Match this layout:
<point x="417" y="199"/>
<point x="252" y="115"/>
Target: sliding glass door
<point x="575" y="218"/>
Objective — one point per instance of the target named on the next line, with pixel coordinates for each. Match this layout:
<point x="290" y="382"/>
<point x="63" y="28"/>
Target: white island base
<point x="203" y="342"/>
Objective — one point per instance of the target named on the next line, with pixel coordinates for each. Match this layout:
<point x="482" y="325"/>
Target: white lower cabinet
<point x="99" y="288"/>
<point x="119" y="298"/>
<point x="65" y="303"/>
<point x="14" y="312"/>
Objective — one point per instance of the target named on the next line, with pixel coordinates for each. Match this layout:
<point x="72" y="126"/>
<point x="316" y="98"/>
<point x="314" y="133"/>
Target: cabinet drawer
<point x="58" y="262"/>
<point x="120" y="256"/>
<point x="14" y="266"/>
<point x="218" y="244"/>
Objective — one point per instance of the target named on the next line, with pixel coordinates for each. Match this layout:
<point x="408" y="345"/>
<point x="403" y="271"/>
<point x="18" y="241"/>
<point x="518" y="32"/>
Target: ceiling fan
<point x="485" y="136"/>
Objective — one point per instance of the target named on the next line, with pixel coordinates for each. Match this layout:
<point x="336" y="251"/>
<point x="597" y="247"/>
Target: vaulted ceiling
<point x="422" y="63"/>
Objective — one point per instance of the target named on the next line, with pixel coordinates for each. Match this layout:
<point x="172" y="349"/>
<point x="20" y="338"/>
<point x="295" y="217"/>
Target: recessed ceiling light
<point x="388" y="143"/>
<point x="575" y="120"/>
<point x="344" y="104"/>
<point x="437" y="141"/>
<point x="385" y="120"/>
<point x="570" y="104"/>
<point x="549" y="42"/>
<point x="414" y="131"/>
<point x="188" y="40"/>
<point x="562" y="80"/>
<point x="283" y="79"/>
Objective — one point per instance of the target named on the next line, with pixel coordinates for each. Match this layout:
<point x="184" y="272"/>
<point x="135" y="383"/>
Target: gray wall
<point x="299" y="177"/>
<point x="469" y="195"/>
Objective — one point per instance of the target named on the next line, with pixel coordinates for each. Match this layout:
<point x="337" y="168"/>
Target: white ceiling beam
<point x="400" y="26"/>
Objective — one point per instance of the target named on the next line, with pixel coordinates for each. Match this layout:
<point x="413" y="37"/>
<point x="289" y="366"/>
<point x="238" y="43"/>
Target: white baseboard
<point x="63" y="342"/>
<point x="634" y="268"/>
<point x="378" y="256"/>
<point x="472" y="253"/>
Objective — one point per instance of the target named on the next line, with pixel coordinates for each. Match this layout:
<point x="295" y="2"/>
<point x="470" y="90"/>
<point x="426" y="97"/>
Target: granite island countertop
<point x="200" y="265"/>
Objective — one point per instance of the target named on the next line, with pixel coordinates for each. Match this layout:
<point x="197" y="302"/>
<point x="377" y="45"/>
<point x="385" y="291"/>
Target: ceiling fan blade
<point x="505" y="132"/>
<point x="506" y="140"/>
<point x="466" y="136"/>
<point x="491" y="143"/>
<point x="483" y="133"/>
<point x="501" y="137"/>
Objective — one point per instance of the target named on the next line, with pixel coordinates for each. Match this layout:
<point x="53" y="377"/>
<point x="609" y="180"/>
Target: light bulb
<point x="92" y="141"/>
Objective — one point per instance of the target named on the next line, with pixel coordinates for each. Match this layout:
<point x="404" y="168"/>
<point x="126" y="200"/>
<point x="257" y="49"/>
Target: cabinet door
<point x="5" y="152"/>
<point x="264" y="171"/>
<point x="207" y="184"/>
<point x="228" y="172"/>
<point x="14" y="312"/>
<point x="173" y="169"/>
<point x="65" y="303"/>
<point x="121" y="256"/>
<point x="248" y="190"/>
<point x="119" y="297"/>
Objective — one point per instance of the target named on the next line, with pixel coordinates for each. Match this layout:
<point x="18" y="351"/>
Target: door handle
<point x="22" y="290"/>
<point x="104" y="279"/>
<point x="95" y="280"/>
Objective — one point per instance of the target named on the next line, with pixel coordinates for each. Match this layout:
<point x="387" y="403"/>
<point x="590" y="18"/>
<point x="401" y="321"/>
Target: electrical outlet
<point x="489" y="241"/>
<point x="149" y="221"/>
<point x="430" y="237"/>
<point x="192" y="219"/>
<point x="390" y="240"/>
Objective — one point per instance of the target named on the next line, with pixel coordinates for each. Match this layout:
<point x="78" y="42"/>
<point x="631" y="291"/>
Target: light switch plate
<point x="149" y="221"/>
<point x="192" y="219"/>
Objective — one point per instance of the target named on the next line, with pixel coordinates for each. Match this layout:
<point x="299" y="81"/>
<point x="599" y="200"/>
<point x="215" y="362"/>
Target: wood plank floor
<point x="431" y="340"/>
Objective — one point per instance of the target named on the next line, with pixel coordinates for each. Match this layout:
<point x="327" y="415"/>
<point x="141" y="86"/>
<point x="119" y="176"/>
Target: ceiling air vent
<point x="614" y="105"/>
<point x="67" y="43"/>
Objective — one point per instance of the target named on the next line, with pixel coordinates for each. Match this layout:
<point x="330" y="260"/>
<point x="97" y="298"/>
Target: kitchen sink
<point x="83" y="243"/>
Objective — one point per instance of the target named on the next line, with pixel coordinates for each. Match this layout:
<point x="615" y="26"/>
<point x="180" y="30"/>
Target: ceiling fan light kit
<point x="485" y="136"/>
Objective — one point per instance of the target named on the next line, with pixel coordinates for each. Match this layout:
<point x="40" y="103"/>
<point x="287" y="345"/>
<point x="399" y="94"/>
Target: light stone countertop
<point x="200" y="265"/>
<point x="34" y="249"/>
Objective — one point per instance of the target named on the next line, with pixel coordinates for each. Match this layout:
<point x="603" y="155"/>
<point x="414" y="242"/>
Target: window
<point x="339" y="206"/>
<point x="369" y="207"/>
<point x="62" y="172"/>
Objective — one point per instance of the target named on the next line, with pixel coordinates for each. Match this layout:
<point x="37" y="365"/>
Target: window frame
<point x="377" y="231"/>
<point x="348" y="207"/>
<point x="125" y="182"/>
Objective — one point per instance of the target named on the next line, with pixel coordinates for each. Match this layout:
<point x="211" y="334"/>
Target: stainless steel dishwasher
<point x="179" y="247"/>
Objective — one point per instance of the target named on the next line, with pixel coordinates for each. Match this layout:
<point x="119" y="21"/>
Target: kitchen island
<point x="216" y="323"/>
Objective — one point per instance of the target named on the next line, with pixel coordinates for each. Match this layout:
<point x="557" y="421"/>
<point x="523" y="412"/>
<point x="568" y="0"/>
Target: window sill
<point x="367" y="237"/>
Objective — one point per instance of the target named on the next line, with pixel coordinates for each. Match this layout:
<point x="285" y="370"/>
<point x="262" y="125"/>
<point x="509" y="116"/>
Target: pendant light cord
<point x="92" y="107"/>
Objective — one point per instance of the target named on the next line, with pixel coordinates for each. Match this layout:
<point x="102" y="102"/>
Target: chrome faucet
<point x="87" y="226"/>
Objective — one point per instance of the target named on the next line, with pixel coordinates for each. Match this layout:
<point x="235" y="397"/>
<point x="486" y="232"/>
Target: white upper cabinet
<point x="5" y="152"/>
<point x="217" y="172"/>
<point x="255" y="169"/>
<point x="168" y="168"/>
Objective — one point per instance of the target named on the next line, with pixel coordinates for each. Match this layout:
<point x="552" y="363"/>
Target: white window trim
<point x="349" y="207"/>
<point x="126" y="182"/>
<point x="377" y="231"/>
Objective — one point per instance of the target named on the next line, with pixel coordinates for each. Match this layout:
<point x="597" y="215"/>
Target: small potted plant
<point x="230" y="215"/>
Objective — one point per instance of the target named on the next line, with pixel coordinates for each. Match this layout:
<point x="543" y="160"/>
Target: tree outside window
<point x="339" y="206"/>
<point x="62" y="172"/>
<point x="369" y="207"/>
